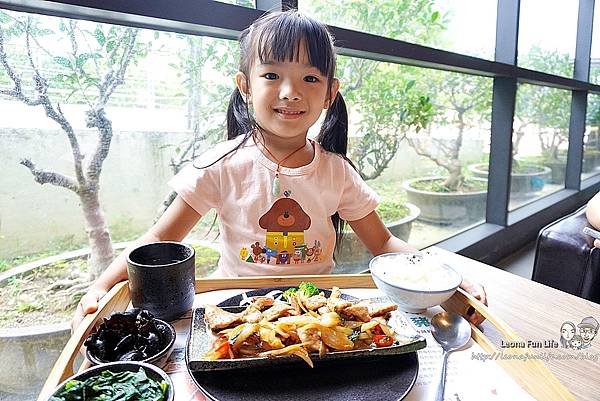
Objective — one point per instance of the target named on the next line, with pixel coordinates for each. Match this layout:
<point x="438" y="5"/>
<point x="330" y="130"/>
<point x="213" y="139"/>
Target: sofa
<point x="566" y="259"/>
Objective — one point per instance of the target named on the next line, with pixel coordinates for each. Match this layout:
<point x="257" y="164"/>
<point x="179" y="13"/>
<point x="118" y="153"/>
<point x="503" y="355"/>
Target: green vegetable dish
<point x="109" y="386"/>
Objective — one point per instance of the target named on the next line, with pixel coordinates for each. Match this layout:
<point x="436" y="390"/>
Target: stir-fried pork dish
<point x="307" y="323"/>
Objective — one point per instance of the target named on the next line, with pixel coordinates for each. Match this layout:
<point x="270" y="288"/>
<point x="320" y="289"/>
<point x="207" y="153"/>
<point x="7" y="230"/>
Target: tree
<point x="462" y="101"/>
<point x="542" y="107"/>
<point x="208" y="99"/>
<point x="92" y="68"/>
<point x="383" y="96"/>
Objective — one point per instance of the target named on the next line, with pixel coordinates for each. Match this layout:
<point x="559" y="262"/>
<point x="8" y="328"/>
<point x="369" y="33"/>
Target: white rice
<point x="414" y="271"/>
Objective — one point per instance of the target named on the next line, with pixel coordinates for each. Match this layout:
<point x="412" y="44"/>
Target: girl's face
<point x="288" y="97"/>
<point x="567" y="331"/>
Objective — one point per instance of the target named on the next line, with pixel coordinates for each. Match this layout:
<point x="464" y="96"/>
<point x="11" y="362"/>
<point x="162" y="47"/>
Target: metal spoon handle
<point x="442" y="385"/>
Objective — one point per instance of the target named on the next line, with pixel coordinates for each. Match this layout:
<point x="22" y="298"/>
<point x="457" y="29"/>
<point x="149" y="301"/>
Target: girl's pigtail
<point x="334" y="131"/>
<point x="333" y="137"/>
<point x="238" y="121"/>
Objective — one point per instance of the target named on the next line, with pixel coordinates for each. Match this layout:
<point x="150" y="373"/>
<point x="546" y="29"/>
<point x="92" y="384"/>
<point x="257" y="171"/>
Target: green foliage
<point x="384" y="97"/>
<point x="30" y="307"/>
<point x="438" y="186"/>
<point x="205" y="256"/>
<point x="390" y="211"/>
<point x="546" y="109"/>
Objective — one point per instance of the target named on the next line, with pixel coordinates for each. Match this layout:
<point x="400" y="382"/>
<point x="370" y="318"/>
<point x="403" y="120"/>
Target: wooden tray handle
<point x="532" y="374"/>
<point x="117" y="299"/>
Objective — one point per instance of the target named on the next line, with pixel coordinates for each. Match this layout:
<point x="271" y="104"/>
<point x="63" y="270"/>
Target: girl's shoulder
<point x="332" y="158"/>
<point x="223" y="152"/>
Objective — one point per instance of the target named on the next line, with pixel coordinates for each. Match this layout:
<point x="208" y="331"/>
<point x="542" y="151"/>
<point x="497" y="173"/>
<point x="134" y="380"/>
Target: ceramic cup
<point x="161" y="278"/>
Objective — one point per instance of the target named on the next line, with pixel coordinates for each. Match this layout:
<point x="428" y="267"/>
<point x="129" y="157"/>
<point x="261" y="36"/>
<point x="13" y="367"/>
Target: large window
<point x="127" y="108"/>
<point x="591" y="147"/>
<point x="540" y="143"/>
<point x="417" y="137"/>
<point x="547" y="36"/>
<point x="461" y="26"/>
<point x="595" y="55"/>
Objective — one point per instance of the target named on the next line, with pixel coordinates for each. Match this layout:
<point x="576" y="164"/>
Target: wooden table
<point x="535" y="312"/>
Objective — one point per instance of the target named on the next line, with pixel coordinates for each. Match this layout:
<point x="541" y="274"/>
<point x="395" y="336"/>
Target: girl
<point x="567" y="331"/>
<point x="282" y="199"/>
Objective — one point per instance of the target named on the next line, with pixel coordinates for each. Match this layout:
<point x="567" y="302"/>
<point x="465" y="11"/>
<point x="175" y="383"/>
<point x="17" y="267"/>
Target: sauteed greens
<point x="110" y="386"/>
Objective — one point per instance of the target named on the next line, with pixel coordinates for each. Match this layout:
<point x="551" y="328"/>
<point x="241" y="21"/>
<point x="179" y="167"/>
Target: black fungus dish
<point x="134" y="335"/>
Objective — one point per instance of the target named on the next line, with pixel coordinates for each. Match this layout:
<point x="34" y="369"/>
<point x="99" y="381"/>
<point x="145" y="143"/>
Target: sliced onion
<point x="336" y="340"/>
<point x="369" y="325"/>
<point x="299" y="320"/>
<point x="246" y="332"/>
<point x="282" y="351"/>
<point x="330" y="319"/>
<point x="304" y="355"/>
<point x="344" y="330"/>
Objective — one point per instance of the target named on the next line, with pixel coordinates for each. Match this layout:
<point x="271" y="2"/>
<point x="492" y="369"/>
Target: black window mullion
<point x="581" y="72"/>
<point x="503" y="110"/>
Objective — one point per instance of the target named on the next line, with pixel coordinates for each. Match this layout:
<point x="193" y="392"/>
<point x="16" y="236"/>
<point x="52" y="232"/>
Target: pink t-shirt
<point x="263" y="234"/>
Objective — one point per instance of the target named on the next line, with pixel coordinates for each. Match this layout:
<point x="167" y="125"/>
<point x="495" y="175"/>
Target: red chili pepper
<point x="382" y="340"/>
<point x="222" y="351"/>
<point x="378" y="330"/>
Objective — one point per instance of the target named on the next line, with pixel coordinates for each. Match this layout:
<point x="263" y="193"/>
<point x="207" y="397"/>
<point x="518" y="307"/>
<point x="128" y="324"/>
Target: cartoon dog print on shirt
<point x="285" y="243"/>
<point x="285" y="223"/>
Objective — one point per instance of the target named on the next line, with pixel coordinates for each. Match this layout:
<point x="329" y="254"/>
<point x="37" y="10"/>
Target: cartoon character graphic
<point x="270" y="253"/>
<point x="298" y="254"/>
<point x="588" y="328"/>
<point x="576" y="342"/>
<point x="567" y="331"/>
<point x="318" y="251"/>
<point x="244" y="253"/>
<point x="283" y="258"/>
<point x="285" y="223"/>
<point x="310" y="255"/>
<point x="256" y="250"/>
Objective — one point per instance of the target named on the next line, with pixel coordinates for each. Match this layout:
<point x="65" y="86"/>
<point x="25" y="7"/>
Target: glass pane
<point x="591" y="140"/>
<point x="547" y="36"/>
<point x="540" y="143"/>
<point x="595" y="54"/>
<point x="243" y="3"/>
<point x="143" y="102"/>
<point x="462" y="26"/>
<point x="413" y="134"/>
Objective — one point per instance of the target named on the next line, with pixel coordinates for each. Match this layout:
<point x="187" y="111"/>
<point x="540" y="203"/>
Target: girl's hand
<point x="88" y="304"/>
<point x="477" y="291"/>
<point x="597" y="243"/>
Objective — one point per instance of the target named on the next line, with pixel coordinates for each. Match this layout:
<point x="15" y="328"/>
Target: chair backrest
<point x="566" y="259"/>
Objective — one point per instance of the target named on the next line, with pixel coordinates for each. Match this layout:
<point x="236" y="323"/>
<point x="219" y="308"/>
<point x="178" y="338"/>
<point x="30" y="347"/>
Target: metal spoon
<point x="452" y="332"/>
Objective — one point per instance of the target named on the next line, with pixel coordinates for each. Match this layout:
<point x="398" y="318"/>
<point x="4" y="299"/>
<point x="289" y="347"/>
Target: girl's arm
<point x="592" y="213"/>
<point x="378" y="239"/>
<point x="376" y="236"/>
<point x="175" y="223"/>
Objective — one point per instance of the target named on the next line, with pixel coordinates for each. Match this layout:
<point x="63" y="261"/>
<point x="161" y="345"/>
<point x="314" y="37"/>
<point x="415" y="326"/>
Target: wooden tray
<point x="533" y="375"/>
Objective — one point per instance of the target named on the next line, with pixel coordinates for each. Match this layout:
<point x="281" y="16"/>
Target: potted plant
<point x="463" y="101"/>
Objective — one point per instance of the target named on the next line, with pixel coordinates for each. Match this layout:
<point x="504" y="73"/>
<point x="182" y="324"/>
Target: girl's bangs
<point x="281" y="41"/>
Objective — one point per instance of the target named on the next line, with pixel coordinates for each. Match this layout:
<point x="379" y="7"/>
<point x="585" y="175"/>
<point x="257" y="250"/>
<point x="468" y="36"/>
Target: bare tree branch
<point x="17" y="91"/>
<point x="50" y="177"/>
<point x="96" y="117"/>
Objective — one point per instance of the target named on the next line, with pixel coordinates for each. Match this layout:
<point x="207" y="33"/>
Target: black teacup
<point x="161" y="278"/>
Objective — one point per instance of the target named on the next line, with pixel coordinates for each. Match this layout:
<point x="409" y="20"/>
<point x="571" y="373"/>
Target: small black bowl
<point x="159" y="359"/>
<point x="151" y="371"/>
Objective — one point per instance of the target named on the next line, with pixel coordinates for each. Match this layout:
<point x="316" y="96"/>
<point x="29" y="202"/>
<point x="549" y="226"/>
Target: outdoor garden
<point x="96" y="118"/>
